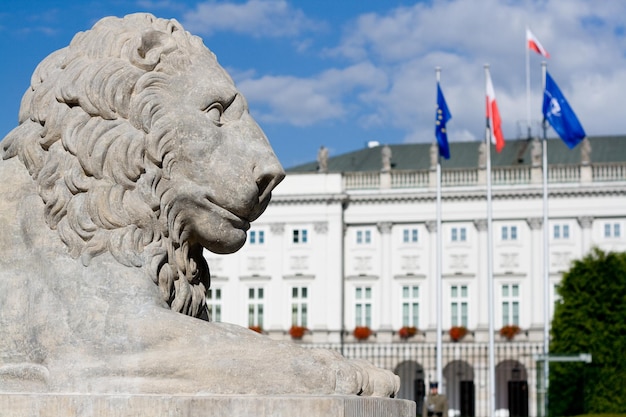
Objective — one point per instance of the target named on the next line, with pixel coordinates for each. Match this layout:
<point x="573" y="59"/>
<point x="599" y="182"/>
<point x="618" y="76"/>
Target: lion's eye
<point x="214" y="113"/>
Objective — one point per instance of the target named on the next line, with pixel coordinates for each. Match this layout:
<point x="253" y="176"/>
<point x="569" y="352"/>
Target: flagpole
<point x="439" y="353"/>
<point x="492" y="372"/>
<point x="546" y="256"/>
<point x="527" y="87"/>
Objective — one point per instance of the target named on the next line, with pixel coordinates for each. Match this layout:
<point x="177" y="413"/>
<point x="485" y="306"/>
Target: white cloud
<point x="586" y="42"/>
<point x="306" y="101"/>
<point x="257" y="18"/>
<point x="390" y="79"/>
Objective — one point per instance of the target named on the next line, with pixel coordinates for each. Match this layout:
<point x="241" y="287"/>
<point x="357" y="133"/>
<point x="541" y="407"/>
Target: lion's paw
<point x="361" y="377"/>
<point x="378" y="382"/>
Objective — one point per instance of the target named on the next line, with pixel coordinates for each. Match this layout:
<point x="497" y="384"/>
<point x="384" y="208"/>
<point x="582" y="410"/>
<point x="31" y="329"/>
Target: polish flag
<point x="535" y="45"/>
<point x="493" y="116"/>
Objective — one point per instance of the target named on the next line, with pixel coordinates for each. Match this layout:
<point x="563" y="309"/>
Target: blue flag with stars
<point x="442" y="117"/>
<point x="558" y="112"/>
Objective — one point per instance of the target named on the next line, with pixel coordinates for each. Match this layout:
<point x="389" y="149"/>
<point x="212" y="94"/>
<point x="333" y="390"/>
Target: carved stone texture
<point x="534" y="223"/>
<point x="362" y="263"/>
<point x="481" y="225"/>
<point x="560" y="260"/>
<point x="256" y="263"/>
<point x="509" y="260"/>
<point x="410" y="263"/>
<point x="585" y="222"/>
<point x="458" y="261"/>
<point x="299" y="263"/>
<point x="135" y="151"/>
<point x="384" y="227"/>
<point x="320" y="227"/>
<point x="277" y="228"/>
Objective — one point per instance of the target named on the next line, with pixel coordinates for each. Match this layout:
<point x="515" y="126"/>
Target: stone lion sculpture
<point x="134" y="151"/>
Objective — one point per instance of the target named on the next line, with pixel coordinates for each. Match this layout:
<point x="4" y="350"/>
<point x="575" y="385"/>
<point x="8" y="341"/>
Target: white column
<point x="386" y="283"/>
<point x="481" y="273"/>
<point x="536" y="271"/>
<point x="585" y="223"/>
<point x="431" y="281"/>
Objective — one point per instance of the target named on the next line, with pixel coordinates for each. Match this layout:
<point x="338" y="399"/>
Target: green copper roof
<point x="416" y="156"/>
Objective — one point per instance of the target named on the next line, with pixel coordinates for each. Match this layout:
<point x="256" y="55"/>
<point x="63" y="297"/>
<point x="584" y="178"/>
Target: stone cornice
<point x="574" y="190"/>
<point x="309" y="199"/>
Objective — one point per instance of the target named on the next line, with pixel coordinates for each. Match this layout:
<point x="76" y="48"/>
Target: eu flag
<point x="442" y="117"/>
<point x="558" y="112"/>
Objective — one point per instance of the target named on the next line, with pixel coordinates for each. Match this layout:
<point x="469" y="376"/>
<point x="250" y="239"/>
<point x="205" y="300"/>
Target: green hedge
<point x="590" y="318"/>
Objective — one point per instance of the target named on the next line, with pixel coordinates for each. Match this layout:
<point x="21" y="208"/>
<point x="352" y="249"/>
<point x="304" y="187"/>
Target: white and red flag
<point x="493" y="117"/>
<point x="534" y="44"/>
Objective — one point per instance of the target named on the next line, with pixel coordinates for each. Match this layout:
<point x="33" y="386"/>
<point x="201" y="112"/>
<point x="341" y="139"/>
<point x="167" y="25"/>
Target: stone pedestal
<point x="120" y="405"/>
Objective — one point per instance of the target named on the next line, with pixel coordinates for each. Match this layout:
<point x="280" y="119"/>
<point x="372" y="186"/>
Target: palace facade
<point x="350" y="242"/>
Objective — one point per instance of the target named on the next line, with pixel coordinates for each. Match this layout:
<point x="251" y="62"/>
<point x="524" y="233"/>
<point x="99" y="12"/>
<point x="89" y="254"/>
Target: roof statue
<point x="535" y="152"/>
<point x="385" y="154"/>
<point x="434" y="155"/>
<point x="322" y="159"/>
<point x="134" y="153"/>
<point x="482" y="154"/>
<point x="585" y="152"/>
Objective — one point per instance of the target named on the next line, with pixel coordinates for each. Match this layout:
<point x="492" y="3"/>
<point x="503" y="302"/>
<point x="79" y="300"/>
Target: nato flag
<point x="443" y="115"/>
<point x="557" y="111"/>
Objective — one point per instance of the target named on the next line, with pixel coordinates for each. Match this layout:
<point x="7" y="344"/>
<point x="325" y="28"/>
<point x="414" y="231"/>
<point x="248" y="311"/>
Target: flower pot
<point x="362" y="333"/>
<point x="297" y="332"/>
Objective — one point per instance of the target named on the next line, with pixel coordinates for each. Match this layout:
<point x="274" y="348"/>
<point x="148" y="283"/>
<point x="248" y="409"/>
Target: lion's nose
<point x="268" y="176"/>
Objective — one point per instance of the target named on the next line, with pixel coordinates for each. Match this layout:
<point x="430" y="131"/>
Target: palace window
<point x="299" y="306"/>
<point x="256" y="237"/>
<point x="363" y="306"/>
<point x="509" y="232"/>
<point x="300" y="236"/>
<point x="214" y="304"/>
<point x="410" y="236"/>
<point x="459" y="305"/>
<point x="363" y="237"/>
<point x="560" y="231"/>
<point x="510" y="304"/>
<point x="256" y="305"/>
<point x="458" y="234"/>
<point x="410" y="305"/>
<point x="612" y="230"/>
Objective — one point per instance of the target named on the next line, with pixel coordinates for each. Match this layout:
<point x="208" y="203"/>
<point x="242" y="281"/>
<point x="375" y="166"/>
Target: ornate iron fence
<point x="465" y="373"/>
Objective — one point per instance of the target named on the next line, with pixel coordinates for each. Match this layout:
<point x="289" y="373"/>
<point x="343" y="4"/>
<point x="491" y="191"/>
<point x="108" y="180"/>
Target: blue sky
<point x="340" y="73"/>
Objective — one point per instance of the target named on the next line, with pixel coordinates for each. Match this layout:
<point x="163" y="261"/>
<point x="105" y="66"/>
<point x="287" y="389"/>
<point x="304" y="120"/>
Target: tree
<point x="590" y="318"/>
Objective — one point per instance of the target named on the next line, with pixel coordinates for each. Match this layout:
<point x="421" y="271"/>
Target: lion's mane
<point x="88" y="137"/>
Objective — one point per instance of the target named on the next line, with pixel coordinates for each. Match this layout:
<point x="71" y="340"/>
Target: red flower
<point x="297" y="332"/>
<point x="457" y="333"/>
<point x="406" y="332"/>
<point x="362" y="332"/>
<point x="257" y="329"/>
<point x="509" y="331"/>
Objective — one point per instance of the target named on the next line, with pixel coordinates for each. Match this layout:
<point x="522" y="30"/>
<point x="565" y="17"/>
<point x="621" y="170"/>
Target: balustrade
<point x="510" y="175"/>
<point x="361" y="180"/>
<point x="564" y="173"/>
<point x="471" y="176"/>
<point x="609" y="172"/>
<point x="459" y="177"/>
<point x="409" y="179"/>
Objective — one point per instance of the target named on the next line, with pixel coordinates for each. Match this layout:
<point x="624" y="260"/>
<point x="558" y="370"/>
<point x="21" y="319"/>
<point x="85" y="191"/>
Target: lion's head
<point x="141" y="146"/>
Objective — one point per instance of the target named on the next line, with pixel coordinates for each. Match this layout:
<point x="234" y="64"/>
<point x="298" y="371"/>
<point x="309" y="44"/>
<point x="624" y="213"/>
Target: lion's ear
<point x="152" y="45"/>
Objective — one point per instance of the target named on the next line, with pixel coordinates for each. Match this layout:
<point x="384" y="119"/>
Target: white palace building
<point x="350" y="242"/>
